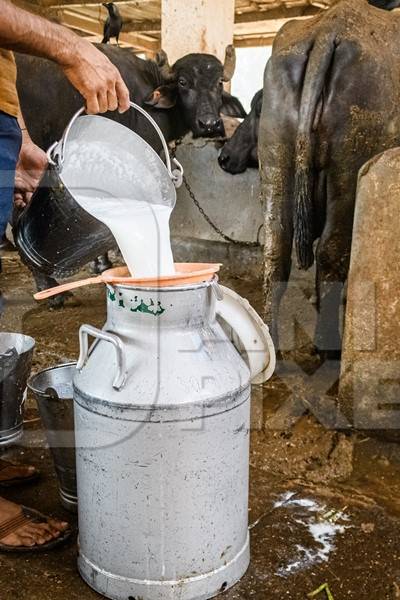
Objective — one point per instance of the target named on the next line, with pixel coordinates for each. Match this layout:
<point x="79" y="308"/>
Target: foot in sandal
<point x="23" y="529"/>
<point x="11" y="474"/>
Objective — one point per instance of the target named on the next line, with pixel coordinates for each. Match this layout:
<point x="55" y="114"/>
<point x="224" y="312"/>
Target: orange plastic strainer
<point x="185" y="273"/>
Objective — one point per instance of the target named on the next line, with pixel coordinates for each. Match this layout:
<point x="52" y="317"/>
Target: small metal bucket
<point x="96" y="156"/>
<point x="52" y="389"/>
<point x="16" y="351"/>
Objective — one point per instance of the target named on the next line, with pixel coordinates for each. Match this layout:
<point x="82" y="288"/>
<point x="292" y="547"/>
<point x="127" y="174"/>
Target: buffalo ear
<point x="232" y="107"/>
<point x="163" y="96"/>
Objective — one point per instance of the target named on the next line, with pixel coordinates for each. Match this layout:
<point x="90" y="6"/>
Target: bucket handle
<point x="84" y="332"/>
<point x="57" y="158"/>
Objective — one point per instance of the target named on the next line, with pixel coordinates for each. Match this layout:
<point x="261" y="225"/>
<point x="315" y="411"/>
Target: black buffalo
<point x="331" y="102"/>
<point x="241" y="150"/>
<point x="189" y="96"/>
<point x="385" y="4"/>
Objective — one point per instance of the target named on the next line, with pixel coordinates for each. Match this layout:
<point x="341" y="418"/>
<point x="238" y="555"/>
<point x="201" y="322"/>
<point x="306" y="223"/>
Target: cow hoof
<point x="57" y="302"/>
<point x="101" y="264"/>
<point x="327" y="355"/>
<point x="6" y="245"/>
<point x="313" y="299"/>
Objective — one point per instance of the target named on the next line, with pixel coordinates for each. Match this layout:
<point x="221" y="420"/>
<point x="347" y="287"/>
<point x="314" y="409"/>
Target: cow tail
<point x="319" y="61"/>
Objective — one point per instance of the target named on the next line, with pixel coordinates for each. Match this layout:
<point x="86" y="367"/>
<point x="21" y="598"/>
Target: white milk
<point x="141" y="231"/>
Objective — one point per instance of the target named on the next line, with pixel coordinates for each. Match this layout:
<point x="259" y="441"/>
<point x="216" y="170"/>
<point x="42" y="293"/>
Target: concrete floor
<point x="353" y="481"/>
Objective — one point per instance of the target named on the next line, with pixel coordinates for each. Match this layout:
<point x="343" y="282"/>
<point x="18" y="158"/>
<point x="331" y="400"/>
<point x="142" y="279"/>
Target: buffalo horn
<point x="165" y="69"/>
<point x="230" y="62"/>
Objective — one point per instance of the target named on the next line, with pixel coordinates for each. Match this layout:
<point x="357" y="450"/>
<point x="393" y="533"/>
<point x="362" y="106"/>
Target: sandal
<point x="29" y="515"/>
<point x="4" y="464"/>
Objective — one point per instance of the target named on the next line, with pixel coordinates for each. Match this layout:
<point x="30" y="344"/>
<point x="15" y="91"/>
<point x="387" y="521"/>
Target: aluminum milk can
<point x="162" y="418"/>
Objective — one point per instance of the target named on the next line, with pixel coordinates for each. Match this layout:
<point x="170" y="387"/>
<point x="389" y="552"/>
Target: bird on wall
<point x="113" y="24"/>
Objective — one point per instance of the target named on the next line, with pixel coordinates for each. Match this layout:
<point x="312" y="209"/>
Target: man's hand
<point x="88" y="69"/>
<point x="97" y="79"/>
<point x="31" y="164"/>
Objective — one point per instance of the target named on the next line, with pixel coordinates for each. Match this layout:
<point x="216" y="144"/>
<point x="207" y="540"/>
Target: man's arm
<point x="32" y="162"/>
<point x="88" y="69"/>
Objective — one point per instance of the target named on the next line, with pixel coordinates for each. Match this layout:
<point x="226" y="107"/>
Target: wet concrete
<point x="324" y="505"/>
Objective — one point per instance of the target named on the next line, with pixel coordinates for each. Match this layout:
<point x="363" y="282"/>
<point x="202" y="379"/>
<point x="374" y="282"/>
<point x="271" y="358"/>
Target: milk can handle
<point x="251" y="331"/>
<point x="58" y="159"/>
<point x="84" y="332"/>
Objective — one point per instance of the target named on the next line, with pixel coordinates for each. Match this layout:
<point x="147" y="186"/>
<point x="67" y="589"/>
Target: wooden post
<point x="201" y="26"/>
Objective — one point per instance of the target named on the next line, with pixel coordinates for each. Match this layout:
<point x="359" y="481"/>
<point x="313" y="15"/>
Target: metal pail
<point x="52" y="389"/>
<point x="16" y="352"/>
<point x="96" y="157"/>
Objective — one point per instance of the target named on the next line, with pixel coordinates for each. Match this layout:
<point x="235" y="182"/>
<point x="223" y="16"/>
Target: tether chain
<point x="205" y="215"/>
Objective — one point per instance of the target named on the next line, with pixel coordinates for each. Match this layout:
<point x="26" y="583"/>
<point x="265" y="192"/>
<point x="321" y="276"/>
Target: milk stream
<point x="141" y="231"/>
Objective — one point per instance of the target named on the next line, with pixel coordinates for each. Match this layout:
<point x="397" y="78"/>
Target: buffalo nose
<point x="210" y="124"/>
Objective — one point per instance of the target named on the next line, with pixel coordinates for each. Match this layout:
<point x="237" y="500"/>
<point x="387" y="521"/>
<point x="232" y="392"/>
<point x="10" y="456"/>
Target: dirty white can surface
<point x="162" y="417"/>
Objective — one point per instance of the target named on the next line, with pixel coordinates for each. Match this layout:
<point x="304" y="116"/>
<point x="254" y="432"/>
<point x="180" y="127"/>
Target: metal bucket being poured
<point x="95" y="156"/>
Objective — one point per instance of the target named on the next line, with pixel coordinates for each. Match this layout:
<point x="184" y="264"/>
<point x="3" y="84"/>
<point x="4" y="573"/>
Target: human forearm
<point x="22" y="124"/>
<point x="88" y="69"/>
<point x="31" y="164"/>
<point x="25" y="32"/>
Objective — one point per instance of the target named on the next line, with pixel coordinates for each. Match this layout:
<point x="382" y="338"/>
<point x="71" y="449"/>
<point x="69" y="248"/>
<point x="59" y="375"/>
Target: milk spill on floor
<point x="322" y="524"/>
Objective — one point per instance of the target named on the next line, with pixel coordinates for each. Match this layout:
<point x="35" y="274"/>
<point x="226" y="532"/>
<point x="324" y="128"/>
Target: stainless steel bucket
<point x="96" y="156"/>
<point x="16" y="352"/>
<point x="52" y="389"/>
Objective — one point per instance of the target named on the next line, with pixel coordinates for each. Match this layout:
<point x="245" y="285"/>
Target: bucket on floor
<point x="52" y="389"/>
<point x="16" y="352"/>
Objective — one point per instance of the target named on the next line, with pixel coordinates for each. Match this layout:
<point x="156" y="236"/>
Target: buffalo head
<point x="195" y="84"/>
<point x="241" y="150"/>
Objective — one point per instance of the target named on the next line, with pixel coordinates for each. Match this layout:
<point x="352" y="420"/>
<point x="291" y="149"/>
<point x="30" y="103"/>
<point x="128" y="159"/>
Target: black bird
<point x="113" y="24"/>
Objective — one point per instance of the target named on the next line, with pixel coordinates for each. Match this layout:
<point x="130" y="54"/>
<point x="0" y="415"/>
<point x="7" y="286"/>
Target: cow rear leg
<point x="43" y="282"/>
<point x="100" y="264"/>
<point x="332" y="260"/>
<point x="277" y="261"/>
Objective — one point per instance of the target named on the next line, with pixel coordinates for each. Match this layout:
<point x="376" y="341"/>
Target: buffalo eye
<point x="182" y="82"/>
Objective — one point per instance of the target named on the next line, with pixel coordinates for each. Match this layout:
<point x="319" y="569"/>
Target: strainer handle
<point x="57" y="158"/>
